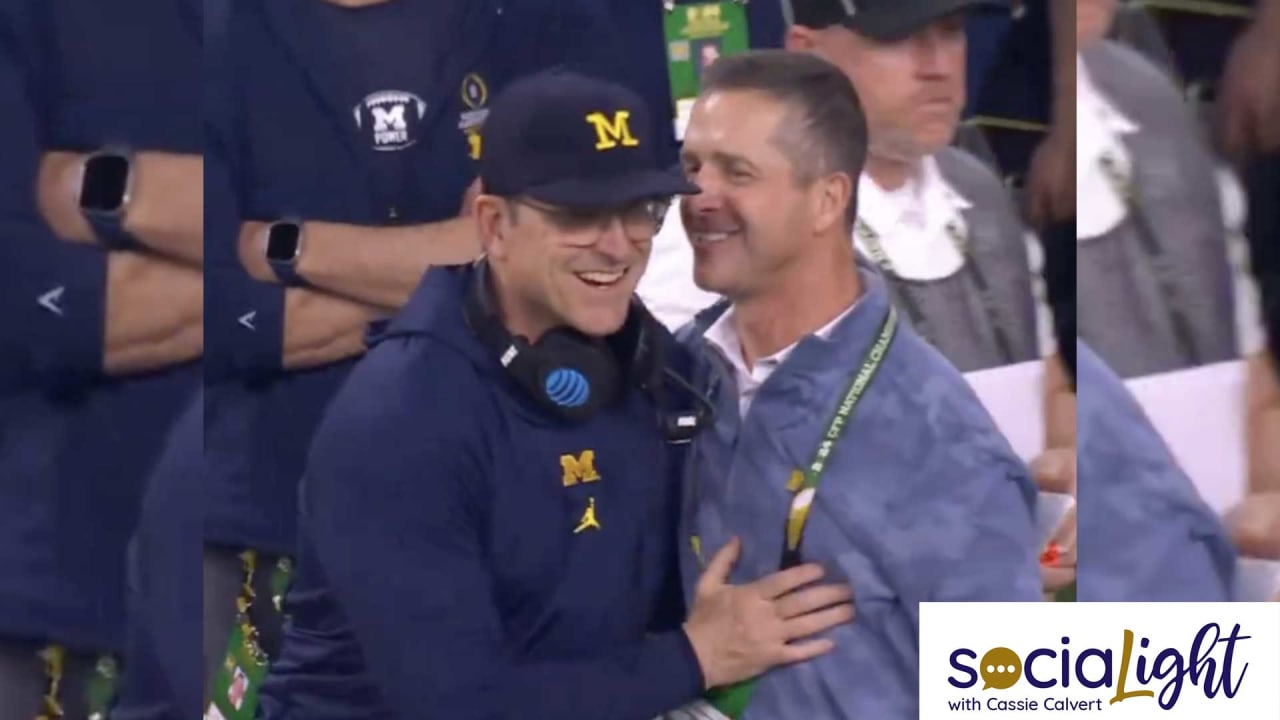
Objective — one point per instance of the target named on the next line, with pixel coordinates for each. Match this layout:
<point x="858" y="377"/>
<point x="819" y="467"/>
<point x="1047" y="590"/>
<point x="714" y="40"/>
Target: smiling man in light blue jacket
<point x="841" y="436"/>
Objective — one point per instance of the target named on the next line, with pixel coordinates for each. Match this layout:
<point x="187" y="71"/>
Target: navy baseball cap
<point x="884" y="20"/>
<point x="573" y="141"/>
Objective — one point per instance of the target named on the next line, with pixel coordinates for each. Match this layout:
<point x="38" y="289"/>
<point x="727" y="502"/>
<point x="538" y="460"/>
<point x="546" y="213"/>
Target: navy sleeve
<point x="392" y="502"/>
<point x="54" y="292"/>
<point x="244" y="318"/>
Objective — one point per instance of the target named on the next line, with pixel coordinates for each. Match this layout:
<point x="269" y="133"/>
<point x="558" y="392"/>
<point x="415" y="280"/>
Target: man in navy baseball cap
<point x="883" y="20"/>
<point x="574" y="152"/>
<point x="572" y="141"/>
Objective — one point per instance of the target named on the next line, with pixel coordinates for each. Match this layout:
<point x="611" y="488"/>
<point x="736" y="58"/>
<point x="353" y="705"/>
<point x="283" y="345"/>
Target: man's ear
<point x="832" y="195"/>
<point x="492" y="216"/>
<point x="800" y="39"/>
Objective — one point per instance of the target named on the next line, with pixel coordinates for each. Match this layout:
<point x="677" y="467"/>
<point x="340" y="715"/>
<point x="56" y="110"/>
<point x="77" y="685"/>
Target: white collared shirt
<point x="1100" y="132"/>
<point x="911" y="225"/>
<point x="911" y="222"/>
<point x="723" y="335"/>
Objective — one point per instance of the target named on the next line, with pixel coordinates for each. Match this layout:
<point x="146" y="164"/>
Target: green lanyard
<point x="802" y="498"/>
<point x="731" y="701"/>
<point x="959" y="237"/>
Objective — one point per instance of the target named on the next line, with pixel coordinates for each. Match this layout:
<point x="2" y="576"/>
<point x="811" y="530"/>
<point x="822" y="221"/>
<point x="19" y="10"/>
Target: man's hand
<point x="738" y="632"/>
<point x="252" y="250"/>
<point x="1055" y="471"/>
<point x="1251" y="95"/>
<point x="1058" y="560"/>
<point x="1254" y="525"/>
<point x="1051" y="179"/>
<point x="58" y="196"/>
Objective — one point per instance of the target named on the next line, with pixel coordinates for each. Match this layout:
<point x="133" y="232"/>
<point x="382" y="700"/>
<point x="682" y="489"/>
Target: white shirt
<point x="723" y="335"/>
<point x="911" y="222"/>
<point x="1100" y="132"/>
<point x="911" y="225"/>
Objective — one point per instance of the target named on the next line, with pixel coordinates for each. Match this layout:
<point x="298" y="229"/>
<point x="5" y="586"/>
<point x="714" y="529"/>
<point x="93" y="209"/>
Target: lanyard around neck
<point x="1125" y="188"/>
<point x="960" y="240"/>
<point x="802" y="500"/>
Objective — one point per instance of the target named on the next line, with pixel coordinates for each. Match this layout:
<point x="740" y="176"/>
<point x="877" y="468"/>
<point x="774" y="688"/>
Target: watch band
<point x="108" y="228"/>
<point x="287" y="273"/>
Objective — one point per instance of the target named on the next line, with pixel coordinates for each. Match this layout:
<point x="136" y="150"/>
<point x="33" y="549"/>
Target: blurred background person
<point x="1161" y="285"/>
<point x="100" y="205"/>
<point x="1249" y="101"/>
<point x="938" y="223"/>
<point x="1163" y="260"/>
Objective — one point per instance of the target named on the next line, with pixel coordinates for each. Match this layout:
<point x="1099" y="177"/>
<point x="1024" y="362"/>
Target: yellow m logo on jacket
<point x="612" y="132"/>
<point x="579" y="469"/>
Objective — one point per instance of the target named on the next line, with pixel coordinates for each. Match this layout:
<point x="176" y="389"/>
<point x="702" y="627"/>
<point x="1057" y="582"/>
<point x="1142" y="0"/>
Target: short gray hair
<point x="827" y="131"/>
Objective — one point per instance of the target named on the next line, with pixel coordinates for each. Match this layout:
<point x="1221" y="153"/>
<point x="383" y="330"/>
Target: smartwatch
<point x="104" y="197"/>
<point x="284" y="246"/>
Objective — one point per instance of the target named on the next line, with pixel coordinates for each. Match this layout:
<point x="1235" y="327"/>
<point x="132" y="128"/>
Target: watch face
<point x="105" y="178"/>
<point x="282" y="242"/>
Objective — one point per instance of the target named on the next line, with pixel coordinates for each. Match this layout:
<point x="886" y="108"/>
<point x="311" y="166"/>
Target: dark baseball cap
<point x="885" y="20"/>
<point x="574" y="141"/>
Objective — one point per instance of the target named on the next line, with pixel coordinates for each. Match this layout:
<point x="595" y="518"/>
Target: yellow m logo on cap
<point x="610" y="133"/>
<point x="579" y="469"/>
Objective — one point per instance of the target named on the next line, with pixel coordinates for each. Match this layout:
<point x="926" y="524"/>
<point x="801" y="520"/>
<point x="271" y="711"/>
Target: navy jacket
<point x="290" y="135"/>
<point x="442" y="573"/>
<point x="162" y="668"/>
<point x="75" y="446"/>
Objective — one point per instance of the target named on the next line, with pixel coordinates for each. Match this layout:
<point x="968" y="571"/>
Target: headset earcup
<point x="574" y="376"/>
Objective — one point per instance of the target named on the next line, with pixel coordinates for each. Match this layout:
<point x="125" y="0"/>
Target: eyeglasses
<point x="641" y="220"/>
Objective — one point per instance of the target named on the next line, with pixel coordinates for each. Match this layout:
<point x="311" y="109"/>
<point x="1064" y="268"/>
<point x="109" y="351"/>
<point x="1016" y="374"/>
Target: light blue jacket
<point x="922" y="500"/>
<point x="1144" y="532"/>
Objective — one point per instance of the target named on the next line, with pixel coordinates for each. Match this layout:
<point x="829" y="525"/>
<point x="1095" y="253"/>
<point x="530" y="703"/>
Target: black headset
<point x="573" y="376"/>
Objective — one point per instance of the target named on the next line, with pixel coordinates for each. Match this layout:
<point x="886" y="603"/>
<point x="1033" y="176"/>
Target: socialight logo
<point x="1157" y="660"/>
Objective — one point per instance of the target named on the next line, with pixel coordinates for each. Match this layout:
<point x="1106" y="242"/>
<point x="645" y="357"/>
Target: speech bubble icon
<point x="1001" y="669"/>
